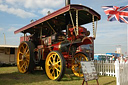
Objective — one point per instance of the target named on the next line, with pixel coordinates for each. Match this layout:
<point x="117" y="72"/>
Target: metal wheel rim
<point x="53" y="65"/>
<point x="76" y="66"/>
<point x="23" y="58"/>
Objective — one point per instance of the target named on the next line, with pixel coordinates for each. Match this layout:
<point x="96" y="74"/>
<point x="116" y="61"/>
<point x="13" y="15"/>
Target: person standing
<point x="121" y="58"/>
<point x="113" y="57"/>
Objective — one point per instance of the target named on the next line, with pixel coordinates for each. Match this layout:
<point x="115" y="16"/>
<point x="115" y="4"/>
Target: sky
<point x="15" y="14"/>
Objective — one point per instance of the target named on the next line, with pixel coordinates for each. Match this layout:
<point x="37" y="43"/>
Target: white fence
<point x="111" y="68"/>
<point x="121" y="73"/>
<point x="105" y="68"/>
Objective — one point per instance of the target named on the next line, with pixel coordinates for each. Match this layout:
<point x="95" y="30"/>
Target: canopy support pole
<point x="51" y="27"/>
<point x="77" y="33"/>
<point x="24" y="36"/>
<point x="72" y="21"/>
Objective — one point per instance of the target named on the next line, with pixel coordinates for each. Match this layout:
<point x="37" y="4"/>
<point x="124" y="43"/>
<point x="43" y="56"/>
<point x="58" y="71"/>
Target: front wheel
<point x="76" y="66"/>
<point x="55" y="65"/>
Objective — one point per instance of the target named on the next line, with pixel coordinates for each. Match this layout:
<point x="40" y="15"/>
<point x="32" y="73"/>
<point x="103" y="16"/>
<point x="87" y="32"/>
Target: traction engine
<point x="58" y="41"/>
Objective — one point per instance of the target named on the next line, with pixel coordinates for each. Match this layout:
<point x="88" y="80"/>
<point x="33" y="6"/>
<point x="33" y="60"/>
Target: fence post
<point x="117" y="71"/>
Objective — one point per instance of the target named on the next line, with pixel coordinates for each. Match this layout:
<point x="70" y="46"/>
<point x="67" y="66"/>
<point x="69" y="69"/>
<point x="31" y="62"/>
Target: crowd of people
<point x="120" y="59"/>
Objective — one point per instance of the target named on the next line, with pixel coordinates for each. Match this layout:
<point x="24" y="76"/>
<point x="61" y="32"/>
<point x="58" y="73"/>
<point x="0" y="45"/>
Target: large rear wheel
<point x="25" y="57"/>
<point x="76" y="66"/>
<point x="55" y="65"/>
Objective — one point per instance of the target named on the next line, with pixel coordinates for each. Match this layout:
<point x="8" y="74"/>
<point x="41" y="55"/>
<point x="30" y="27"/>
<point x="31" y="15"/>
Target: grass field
<point x="11" y="76"/>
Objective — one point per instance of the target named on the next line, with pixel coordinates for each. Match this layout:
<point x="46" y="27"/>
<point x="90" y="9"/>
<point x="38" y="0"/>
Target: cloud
<point x="12" y="29"/>
<point x="34" y="4"/>
<point x="12" y="1"/>
<point x="1" y="29"/>
<point x="43" y="3"/>
<point x="16" y="7"/>
<point x="1" y="1"/>
<point x="16" y="11"/>
<point x="45" y="11"/>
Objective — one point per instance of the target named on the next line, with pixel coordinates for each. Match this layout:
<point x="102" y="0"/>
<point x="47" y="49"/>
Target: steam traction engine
<point x="54" y="41"/>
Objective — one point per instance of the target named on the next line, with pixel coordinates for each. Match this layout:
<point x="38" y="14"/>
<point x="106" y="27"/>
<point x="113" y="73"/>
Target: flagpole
<point x="127" y="39"/>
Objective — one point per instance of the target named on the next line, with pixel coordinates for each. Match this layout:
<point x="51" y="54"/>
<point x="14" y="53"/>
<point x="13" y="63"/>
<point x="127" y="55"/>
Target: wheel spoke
<point x="50" y="67"/>
<point x="22" y="49"/>
<point x="48" y="64"/>
<point x="23" y="46"/>
<point x="57" y="62"/>
<point x="27" y="56"/>
<point x="53" y="73"/>
<point x="58" y="59"/>
<point x="50" y="61"/>
<point x="22" y="66"/>
<point x="27" y="62"/>
<point x="27" y="52"/>
<point x="57" y="69"/>
<point x="80" y="58"/>
<point x="53" y="58"/>
<point x="25" y="65"/>
<point x="21" y="53"/>
<point x="20" y="60"/>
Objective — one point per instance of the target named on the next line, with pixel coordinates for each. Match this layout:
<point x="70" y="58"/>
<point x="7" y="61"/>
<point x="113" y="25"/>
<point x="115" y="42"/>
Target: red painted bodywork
<point x="56" y="46"/>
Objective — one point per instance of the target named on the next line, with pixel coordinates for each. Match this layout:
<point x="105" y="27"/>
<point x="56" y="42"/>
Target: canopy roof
<point x="58" y="19"/>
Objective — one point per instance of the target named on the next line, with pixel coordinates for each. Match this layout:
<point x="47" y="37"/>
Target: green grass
<point x="11" y="76"/>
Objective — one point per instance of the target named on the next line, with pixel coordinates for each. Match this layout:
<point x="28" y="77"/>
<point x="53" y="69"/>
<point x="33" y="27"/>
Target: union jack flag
<point x="115" y="13"/>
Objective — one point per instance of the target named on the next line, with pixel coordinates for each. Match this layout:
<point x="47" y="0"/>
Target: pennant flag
<point x="115" y="13"/>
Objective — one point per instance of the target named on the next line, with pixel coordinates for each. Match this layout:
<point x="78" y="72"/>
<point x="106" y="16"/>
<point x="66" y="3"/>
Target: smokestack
<point x="67" y="2"/>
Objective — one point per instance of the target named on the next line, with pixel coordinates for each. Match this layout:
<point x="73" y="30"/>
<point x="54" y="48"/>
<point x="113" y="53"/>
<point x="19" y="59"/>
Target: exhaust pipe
<point x="67" y="2"/>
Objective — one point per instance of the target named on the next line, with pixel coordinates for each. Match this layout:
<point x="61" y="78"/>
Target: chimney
<point x="67" y="2"/>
